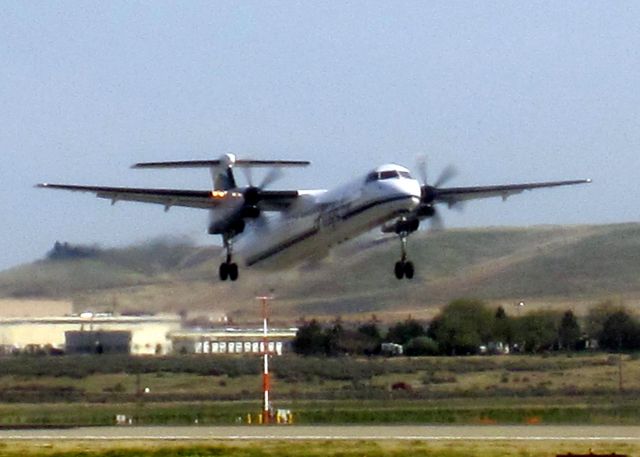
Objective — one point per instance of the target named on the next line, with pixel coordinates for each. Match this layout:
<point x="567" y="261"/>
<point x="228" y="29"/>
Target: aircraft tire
<point x="399" y="270"/>
<point x="233" y="271"/>
<point x="409" y="270"/>
<point x="223" y="271"/>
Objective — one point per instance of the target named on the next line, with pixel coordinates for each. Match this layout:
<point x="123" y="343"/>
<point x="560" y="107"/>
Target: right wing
<point x="453" y="195"/>
<point x="275" y="200"/>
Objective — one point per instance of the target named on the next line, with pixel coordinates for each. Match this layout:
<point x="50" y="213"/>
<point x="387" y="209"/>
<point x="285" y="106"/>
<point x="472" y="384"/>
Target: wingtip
<point x="41" y="185"/>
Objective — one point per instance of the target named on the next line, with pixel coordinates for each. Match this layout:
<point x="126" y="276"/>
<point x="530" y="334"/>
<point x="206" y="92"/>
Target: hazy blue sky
<point x="507" y="91"/>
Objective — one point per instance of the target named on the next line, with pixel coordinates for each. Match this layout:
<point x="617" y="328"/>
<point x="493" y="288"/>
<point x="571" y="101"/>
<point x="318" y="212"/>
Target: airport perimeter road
<point x="292" y="432"/>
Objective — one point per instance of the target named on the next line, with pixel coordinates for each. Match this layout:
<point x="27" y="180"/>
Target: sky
<point x="506" y="91"/>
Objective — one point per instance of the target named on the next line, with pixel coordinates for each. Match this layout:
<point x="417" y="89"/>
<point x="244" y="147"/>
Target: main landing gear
<point x="228" y="269"/>
<point x="404" y="268"/>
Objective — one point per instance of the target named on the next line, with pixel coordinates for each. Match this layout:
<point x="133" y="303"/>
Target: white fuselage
<point x="320" y="220"/>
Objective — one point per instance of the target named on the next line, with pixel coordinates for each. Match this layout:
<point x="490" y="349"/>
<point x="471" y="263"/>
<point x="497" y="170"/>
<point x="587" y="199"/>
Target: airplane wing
<point x="268" y="200"/>
<point x="453" y="195"/>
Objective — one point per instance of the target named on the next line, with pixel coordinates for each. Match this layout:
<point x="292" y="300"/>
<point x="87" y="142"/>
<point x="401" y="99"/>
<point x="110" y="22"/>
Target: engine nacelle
<point x="251" y="212"/>
<point x="407" y="226"/>
<point x="227" y="221"/>
<point x="429" y="194"/>
<point x="402" y="226"/>
<point x="425" y="211"/>
<point x="230" y="228"/>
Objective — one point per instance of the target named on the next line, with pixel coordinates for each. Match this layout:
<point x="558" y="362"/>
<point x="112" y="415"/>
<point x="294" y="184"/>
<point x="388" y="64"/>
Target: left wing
<point x="274" y="200"/>
<point x="453" y="195"/>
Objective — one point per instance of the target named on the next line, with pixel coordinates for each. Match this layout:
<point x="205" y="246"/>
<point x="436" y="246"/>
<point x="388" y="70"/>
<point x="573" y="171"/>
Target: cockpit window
<point x="373" y="176"/>
<point x="388" y="174"/>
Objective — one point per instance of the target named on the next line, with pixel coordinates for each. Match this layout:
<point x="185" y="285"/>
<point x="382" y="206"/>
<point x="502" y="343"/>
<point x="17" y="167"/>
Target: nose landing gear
<point x="404" y="268"/>
<point x="228" y="269"/>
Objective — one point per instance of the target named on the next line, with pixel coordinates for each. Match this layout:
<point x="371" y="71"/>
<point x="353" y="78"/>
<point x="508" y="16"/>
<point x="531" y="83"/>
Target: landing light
<point x="224" y="194"/>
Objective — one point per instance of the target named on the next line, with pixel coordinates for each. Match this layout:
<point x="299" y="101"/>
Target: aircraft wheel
<point x="223" y="272"/>
<point x="409" y="270"/>
<point x="399" y="270"/>
<point x="233" y="271"/>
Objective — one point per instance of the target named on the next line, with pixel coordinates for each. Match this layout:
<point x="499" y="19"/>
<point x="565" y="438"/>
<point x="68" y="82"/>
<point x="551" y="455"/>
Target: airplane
<point x="275" y="229"/>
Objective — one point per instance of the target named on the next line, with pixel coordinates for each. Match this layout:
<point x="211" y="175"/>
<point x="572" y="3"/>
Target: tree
<point x="569" y="332"/>
<point x="310" y="339"/>
<point x="462" y="327"/>
<point x="502" y="327"/>
<point x="620" y="332"/>
<point x="538" y="331"/>
<point x="334" y="339"/>
<point x="598" y="315"/>
<point x="370" y="338"/>
<point x="371" y="330"/>
<point x="402" y="332"/>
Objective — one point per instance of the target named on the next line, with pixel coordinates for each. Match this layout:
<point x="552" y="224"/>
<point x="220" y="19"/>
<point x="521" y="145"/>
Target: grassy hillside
<point x="541" y="265"/>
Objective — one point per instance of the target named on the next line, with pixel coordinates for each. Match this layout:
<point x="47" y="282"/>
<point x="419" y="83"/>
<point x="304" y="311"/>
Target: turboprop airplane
<point x="274" y="229"/>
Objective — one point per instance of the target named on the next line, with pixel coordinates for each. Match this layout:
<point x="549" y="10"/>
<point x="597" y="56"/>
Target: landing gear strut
<point x="404" y="268"/>
<point x="228" y="269"/>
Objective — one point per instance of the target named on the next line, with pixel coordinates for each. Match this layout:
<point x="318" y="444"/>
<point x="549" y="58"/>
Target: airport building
<point x="40" y="325"/>
<point x="231" y="341"/>
<point x="90" y="333"/>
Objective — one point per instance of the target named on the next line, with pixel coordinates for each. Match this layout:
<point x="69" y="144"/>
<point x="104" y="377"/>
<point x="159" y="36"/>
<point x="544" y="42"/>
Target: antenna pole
<point x="266" y="379"/>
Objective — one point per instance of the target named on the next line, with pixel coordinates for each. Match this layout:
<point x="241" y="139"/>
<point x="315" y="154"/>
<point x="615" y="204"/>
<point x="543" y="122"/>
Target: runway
<point x="326" y="433"/>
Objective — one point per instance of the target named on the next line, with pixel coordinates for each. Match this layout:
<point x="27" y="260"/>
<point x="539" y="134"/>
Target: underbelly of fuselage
<point x="288" y="241"/>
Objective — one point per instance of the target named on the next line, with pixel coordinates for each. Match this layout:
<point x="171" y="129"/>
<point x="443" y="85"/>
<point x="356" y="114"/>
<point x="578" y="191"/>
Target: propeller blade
<point x="271" y="177"/>
<point x="447" y="174"/>
<point x="421" y="165"/>
<point x="248" y="175"/>
<point x="437" y="222"/>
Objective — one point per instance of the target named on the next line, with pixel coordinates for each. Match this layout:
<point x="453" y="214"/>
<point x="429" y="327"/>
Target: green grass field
<point x="461" y="390"/>
<point x="552" y="390"/>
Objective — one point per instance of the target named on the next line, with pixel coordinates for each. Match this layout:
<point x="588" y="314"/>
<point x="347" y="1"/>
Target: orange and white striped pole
<point x="266" y="380"/>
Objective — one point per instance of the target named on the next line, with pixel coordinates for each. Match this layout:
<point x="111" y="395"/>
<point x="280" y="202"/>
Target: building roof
<point x="100" y="318"/>
<point x="233" y="333"/>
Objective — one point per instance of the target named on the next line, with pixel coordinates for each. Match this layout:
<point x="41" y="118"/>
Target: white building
<point x="232" y="341"/>
<point x="149" y="334"/>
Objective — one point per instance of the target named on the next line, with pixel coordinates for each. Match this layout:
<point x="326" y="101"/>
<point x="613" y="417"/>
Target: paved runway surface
<point x="394" y="432"/>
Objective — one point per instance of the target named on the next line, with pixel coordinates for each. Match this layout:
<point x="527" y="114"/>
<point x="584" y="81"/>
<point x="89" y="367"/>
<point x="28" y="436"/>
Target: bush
<point x="421" y="345"/>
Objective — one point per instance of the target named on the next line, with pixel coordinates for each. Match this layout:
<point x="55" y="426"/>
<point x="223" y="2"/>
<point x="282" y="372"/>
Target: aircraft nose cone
<point x="410" y="189"/>
<point x="413" y="189"/>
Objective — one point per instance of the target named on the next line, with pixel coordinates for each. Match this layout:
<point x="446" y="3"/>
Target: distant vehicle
<point x="275" y="229"/>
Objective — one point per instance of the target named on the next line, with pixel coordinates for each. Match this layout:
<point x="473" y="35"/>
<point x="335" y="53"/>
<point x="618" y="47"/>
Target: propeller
<point x="272" y="176"/>
<point x="446" y="175"/>
<point x="240" y="203"/>
<point x="430" y="192"/>
<point x="252" y="194"/>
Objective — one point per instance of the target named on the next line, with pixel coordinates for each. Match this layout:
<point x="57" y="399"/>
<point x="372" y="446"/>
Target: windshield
<point x="388" y="174"/>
